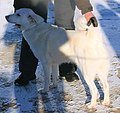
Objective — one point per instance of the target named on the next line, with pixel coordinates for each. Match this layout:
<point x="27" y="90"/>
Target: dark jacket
<point x="64" y="11"/>
<point x="84" y="5"/>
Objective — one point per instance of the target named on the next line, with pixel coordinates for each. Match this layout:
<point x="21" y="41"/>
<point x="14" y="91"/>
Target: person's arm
<point x="84" y="5"/>
<point x="86" y="9"/>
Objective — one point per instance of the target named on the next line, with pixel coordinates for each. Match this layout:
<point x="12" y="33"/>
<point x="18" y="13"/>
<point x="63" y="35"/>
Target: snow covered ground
<point x="68" y="97"/>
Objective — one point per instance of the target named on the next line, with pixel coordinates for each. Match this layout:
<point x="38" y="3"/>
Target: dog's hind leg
<point x="103" y="79"/>
<point x="55" y="72"/>
<point x="93" y="89"/>
<point x="89" y="72"/>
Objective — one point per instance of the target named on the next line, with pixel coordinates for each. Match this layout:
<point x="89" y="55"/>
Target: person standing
<point x="64" y="13"/>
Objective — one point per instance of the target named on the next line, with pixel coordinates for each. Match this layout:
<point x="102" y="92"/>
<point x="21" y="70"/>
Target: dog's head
<point x="24" y="18"/>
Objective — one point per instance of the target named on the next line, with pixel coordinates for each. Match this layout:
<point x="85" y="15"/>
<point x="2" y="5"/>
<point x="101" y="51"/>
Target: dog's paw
<point x="90" y="108"/>
<point x="44" y="91"/>
<point x="53" y="85"/>
<point x="107" y="103"/>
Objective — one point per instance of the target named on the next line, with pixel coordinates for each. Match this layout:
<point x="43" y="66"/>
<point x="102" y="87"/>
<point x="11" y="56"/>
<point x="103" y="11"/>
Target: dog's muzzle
<point x="7" y="18"/>
<point x="17" y="25"/>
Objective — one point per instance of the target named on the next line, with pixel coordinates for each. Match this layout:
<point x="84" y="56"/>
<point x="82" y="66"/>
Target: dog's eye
<point x="18" y="14"/>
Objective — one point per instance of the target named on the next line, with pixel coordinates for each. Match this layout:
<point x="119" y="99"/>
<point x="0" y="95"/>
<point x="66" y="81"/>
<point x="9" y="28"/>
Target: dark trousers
<point x="28" y="62"/>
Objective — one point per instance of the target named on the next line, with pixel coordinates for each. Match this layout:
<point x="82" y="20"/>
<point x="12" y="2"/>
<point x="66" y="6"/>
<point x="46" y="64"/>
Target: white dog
<point x="53" y="45"/>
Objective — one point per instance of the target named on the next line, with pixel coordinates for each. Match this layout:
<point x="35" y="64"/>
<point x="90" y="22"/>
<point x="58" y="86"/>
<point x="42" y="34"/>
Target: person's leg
<point x="28" y="62"/>
<point x="64" y="13"/>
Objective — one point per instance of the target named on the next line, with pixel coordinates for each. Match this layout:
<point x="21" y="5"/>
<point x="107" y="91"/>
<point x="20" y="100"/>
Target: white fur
<point x="53" y="45"/>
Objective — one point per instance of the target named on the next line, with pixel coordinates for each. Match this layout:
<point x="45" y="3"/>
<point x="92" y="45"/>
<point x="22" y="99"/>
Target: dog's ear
<point x="35" y="19"/>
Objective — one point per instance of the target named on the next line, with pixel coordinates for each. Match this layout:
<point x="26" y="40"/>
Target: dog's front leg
<point x="55" y="72"/>
<point x="47" y="77"/>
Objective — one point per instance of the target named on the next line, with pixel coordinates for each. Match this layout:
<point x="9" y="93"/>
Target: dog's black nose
<point x="7" y="17"/>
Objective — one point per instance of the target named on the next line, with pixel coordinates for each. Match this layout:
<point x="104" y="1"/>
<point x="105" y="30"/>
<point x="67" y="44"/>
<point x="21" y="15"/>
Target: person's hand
<point x="91" y="19"/>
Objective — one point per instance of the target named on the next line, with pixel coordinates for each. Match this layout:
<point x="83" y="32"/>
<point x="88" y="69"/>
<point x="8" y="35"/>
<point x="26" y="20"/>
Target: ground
<point x="68" y="97"/>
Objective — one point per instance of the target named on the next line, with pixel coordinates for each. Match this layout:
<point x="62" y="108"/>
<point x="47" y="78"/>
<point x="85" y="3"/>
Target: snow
<point x="68" y="97"/>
